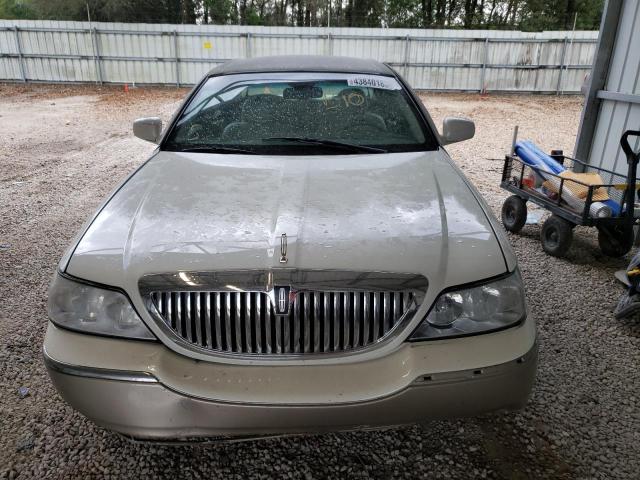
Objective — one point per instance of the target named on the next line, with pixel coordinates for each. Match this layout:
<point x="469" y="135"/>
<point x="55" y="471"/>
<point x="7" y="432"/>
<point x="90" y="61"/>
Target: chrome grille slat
<point x="286" y="339"/>
<point x="366" y="312"/>
<point x="356" y="320"/>
<point x="269" y="325"/>
<point x="158" y="299"/>
<point x="195" y="300"/>
<point x="335" y="326"/>
<point x="206" y="297"/>
<point x="346" y="321"/>
<point x="326" y="321"/>
<point x="164" y="296"/>
<point x="296" y="327"/>
<point x="257" y="322"/>
<point x="227" y="321"/>
<point x="386" y="312"/>
<point x="396" y="304"/>
<point x="179" y="313"/>
<point x="316" y="322"/>
<point x="218" y="319"/>
<point x="246" y="323"/>
<point x="187" y="316"/>
<point x="278" y="331"/>
<point x="248" y="317"/>
<point x="376" y="315"/>
<point x="237" y="321"/>
<point x="307" y="325"/>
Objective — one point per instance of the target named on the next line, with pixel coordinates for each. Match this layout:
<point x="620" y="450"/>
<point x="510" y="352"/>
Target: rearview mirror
<point x="148" y="129"/>
<point x="302" y="92"/>
<point x="456" y="129"/>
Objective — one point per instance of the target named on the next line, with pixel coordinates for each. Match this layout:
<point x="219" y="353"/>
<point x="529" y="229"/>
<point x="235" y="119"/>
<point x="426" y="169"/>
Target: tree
<point x="529" y="15"/>
<point x="16" y="9"/>
<point x="470" y="8"/>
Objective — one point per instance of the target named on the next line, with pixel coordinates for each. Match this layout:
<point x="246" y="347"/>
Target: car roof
<point x="302" y="63"/>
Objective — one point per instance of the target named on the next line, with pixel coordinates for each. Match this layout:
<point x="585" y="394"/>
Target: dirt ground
<point x="63" y="149"/>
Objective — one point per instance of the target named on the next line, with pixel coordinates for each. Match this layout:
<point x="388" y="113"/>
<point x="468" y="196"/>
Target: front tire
<point x="556" y="236"/>
<point x="514" y="213"/>
<point x="615" y="241"/>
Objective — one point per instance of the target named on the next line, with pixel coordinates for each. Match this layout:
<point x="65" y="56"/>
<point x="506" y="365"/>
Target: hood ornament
<point x="283" y="248"/>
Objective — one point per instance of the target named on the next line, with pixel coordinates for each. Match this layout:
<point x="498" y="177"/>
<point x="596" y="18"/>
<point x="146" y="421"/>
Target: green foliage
<point x="404" y="14"/>
<point x="529" y="15"/>
<point x="16" y="9"/>
<point x="219" y="12"/>
<point x="560" y="15"/>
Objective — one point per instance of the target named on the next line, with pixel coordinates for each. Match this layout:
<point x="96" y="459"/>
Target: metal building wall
<point x="467" y="60"/>
<point x="613" y="100"/>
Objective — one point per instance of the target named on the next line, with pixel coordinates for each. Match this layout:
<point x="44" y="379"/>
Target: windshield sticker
<point x="373" y="82"/>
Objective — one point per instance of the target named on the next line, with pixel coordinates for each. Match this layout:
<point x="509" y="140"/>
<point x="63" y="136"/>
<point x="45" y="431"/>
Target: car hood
<point x="401" y="212"/>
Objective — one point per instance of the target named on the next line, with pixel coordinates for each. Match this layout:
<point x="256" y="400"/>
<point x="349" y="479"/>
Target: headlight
<point x="484" y="308"/>
<point x="88" y="309"/>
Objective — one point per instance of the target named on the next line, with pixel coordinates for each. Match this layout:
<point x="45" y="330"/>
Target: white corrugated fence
<point x="457" y="60"/>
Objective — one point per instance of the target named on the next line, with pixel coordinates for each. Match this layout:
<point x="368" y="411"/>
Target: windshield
<point x="300" y="113"/>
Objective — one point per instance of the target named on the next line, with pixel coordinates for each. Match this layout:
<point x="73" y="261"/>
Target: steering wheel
<point x="367" y="122"/>
<point x="195" y="132"/>
<point x="234" y="131"/>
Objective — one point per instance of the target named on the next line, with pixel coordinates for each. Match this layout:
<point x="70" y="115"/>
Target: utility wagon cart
<point x="575" y="193"/>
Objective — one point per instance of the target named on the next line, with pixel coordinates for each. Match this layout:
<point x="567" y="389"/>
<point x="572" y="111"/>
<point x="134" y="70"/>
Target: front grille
<point x="245" y="323"/>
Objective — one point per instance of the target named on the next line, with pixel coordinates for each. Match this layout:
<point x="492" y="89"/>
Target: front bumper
<point x="148" y="403"/>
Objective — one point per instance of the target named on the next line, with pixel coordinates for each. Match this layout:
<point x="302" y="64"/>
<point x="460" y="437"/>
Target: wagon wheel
<point x="556" y="236"/>
<point x="514" y="213"/>
<point x="615" y="241"/>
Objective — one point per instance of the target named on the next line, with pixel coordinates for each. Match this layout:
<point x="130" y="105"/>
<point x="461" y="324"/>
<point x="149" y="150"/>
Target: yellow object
<point x="579" y="190"/>
<point x="634" y="272"/>
<point x="207" y="45"/>
<point x="623" y="186"/>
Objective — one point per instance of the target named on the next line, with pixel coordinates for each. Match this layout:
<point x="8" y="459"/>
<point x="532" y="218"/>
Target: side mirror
<point x="148" y="129"/>
<point x="456" y="129"/>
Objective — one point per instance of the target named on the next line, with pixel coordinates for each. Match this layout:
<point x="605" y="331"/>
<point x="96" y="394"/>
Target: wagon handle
<point x="626" y="147"/>
<point x="632" y="161"/>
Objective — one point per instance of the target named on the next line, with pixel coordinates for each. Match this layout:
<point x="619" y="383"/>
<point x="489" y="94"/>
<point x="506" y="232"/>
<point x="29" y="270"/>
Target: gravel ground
<point x="62" y="149"/>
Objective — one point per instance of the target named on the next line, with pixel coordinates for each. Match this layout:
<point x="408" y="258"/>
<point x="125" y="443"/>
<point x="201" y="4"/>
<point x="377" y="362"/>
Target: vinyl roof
<point x="302" y="63"/>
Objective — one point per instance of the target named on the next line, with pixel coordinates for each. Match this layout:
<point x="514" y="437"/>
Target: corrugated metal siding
<point x="615" y="117"/>
<point x="430" y="59"/>
<point x="9" y="66"/>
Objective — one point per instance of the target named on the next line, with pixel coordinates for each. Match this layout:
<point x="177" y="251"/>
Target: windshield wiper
<point x="328" y="143"/>
<point x="215" y="149"/>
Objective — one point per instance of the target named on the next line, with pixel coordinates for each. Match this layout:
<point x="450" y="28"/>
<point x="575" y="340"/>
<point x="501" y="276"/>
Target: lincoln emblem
<point x="282" y="300"/>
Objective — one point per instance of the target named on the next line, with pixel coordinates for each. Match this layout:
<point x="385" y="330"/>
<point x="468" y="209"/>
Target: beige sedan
<point x="300" y="254"/>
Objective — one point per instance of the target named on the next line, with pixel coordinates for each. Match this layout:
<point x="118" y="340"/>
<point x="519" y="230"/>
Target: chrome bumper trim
<point x="98" y="373"/>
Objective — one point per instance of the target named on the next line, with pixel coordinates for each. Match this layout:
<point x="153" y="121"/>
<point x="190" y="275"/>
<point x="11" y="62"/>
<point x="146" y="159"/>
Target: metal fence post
<point x="564" y="52"/>
<point x="20" y="57"/>
<point x="177" y="55"/>
<point x="329" y="47"/>
<point x="96" y="53"/>
<point x="248" y="46"/>
<point x="485" y="57"/>
<point x="407" y="47"/>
